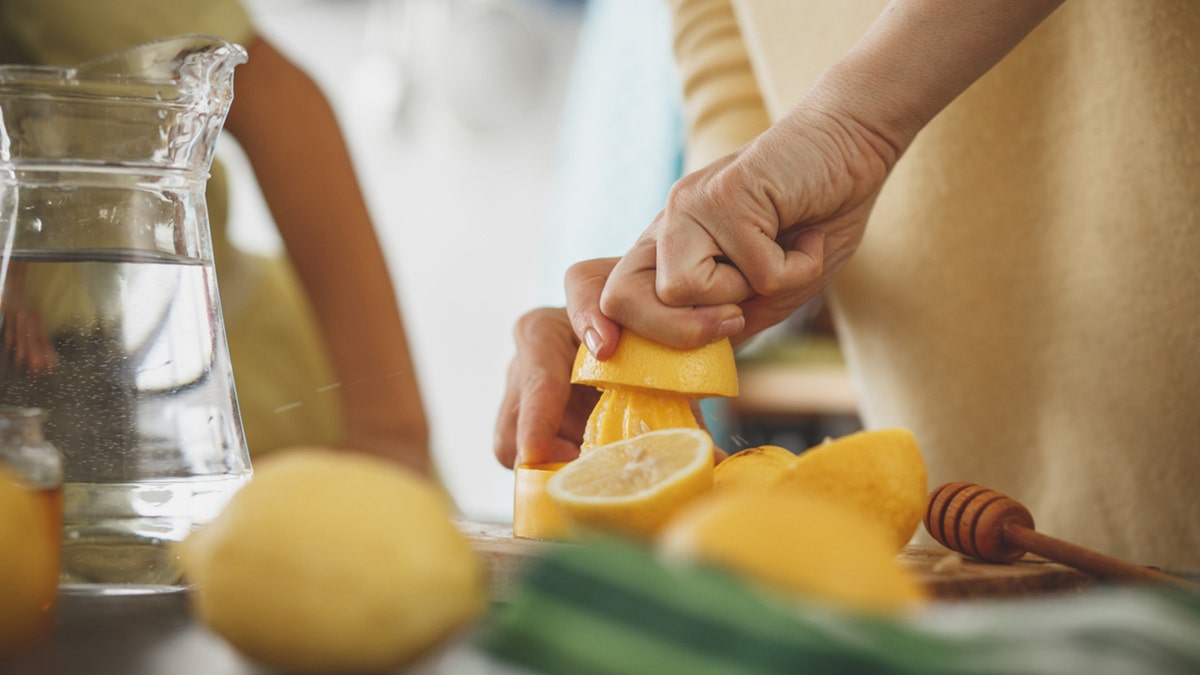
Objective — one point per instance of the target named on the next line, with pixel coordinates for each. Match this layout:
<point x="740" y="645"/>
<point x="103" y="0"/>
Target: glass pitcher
<point x="109" y="310"/>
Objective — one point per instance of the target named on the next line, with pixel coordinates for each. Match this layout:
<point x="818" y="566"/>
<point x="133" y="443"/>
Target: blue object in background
<point x="621" y="139"/>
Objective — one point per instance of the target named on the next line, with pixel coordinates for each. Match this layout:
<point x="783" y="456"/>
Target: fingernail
<point x="731" y="326"/>
<point x="591" y="337"/>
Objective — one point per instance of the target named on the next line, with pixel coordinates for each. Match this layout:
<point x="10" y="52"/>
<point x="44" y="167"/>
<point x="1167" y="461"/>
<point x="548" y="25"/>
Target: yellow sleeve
<point x="791" y="42"/>
<point x="722" y="104"/>
<point x="66" y="32"/>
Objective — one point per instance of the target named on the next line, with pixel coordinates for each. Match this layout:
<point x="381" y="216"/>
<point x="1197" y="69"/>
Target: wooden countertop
<point x="947" y="575"/>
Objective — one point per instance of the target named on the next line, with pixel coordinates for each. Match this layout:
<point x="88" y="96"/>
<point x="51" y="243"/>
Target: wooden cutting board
<point x="948" y="575"/>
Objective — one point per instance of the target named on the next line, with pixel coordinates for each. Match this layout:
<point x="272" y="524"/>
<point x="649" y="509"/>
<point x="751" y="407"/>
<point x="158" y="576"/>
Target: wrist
<point x="878" y="120"/>
<point x="916" y="58"/>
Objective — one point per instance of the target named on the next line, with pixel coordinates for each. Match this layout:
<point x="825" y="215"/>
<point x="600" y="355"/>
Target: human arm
<point x="293" y="142"/>
<point x="754" y="235"/>
<point x="23" y="334"/>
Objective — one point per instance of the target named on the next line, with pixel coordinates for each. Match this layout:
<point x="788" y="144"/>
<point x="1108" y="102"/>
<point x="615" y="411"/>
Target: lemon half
<point x="634" y="486"/>
<point x="647" y="386"/>
<point x="880" y="473"/>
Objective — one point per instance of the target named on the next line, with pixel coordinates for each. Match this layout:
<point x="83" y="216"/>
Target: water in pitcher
<point x="109" y="309"/>
<point x="122" y="349"/>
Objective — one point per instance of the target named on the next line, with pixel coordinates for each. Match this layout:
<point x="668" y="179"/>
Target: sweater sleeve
<point x="722" y="104"/>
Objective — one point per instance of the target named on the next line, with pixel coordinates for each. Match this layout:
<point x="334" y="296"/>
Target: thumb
<point x="584" y="285"/>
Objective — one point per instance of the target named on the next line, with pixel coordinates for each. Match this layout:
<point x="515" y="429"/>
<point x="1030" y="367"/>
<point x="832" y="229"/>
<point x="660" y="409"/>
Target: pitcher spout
<point x="196" y="69"/>
<point x="156" y="105"/>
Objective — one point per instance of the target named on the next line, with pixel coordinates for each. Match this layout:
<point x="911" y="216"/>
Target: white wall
<point x="451" y="111"/>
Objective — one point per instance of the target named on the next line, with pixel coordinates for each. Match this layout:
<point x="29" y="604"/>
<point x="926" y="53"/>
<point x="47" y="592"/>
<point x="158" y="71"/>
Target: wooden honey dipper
<point x="984" y="524"/>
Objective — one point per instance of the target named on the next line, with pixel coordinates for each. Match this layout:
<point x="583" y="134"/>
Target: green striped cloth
<point x="611" y="608"/>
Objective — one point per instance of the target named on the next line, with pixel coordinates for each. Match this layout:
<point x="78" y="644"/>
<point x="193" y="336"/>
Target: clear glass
<point x="109" y="309"/>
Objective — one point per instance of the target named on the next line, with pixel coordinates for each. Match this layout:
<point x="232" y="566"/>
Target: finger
<point x="539" y="335"/>
<point x="629" y="298"/>
<point x="770" y="269"/>
<point x="504" y="441"/>
<point x="804" y="257"/>
<point x="42" y="355"/>
<point x="563" y="444"/>
<point x="711" y="218"/>
<point x="543" y="400"/>
<point x="769" y="266"/>
<point x="764" y="311"/>
<point x="584" y="286"/>
<point x="541" y="376"/>
<point x="692" y="269"/>
<point x="563" y="450"/>
<point x="20" y="350"/>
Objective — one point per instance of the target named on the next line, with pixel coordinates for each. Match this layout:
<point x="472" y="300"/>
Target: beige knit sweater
<point x="1027" y="297"/>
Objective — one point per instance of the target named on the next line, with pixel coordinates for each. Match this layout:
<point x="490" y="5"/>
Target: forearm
<point x="916" y="58"/>
<point x="308" y="182"/>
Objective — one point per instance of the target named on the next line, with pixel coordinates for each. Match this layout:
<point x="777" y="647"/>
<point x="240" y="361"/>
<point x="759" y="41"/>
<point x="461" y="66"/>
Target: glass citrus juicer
<point x="109" y="310"/>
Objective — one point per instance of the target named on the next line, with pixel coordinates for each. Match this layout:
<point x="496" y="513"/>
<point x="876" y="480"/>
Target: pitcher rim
<point x="18" y="72"/>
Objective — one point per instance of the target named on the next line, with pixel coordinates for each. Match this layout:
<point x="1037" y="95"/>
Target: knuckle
<point x="697" y="335"/>
<point x="614" y="304"/>
<point x="529" y="323"/>
<point x="768" y="284"/>
<point x="577" y="270"/>
<point x="505" y="451"/>
<point x="504" y="444"/>
<point x="677" y="289"/>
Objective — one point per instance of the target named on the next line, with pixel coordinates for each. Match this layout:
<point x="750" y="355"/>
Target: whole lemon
<point x="28" y="564"/>
<point x="334" y="562"/>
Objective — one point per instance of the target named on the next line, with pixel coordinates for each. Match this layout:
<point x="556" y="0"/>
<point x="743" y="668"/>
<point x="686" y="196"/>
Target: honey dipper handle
<point x="1092" y="562"/>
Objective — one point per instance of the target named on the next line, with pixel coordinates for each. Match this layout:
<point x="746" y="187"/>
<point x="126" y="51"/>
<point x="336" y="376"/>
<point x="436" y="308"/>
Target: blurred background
<point x="498" y="141"/>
